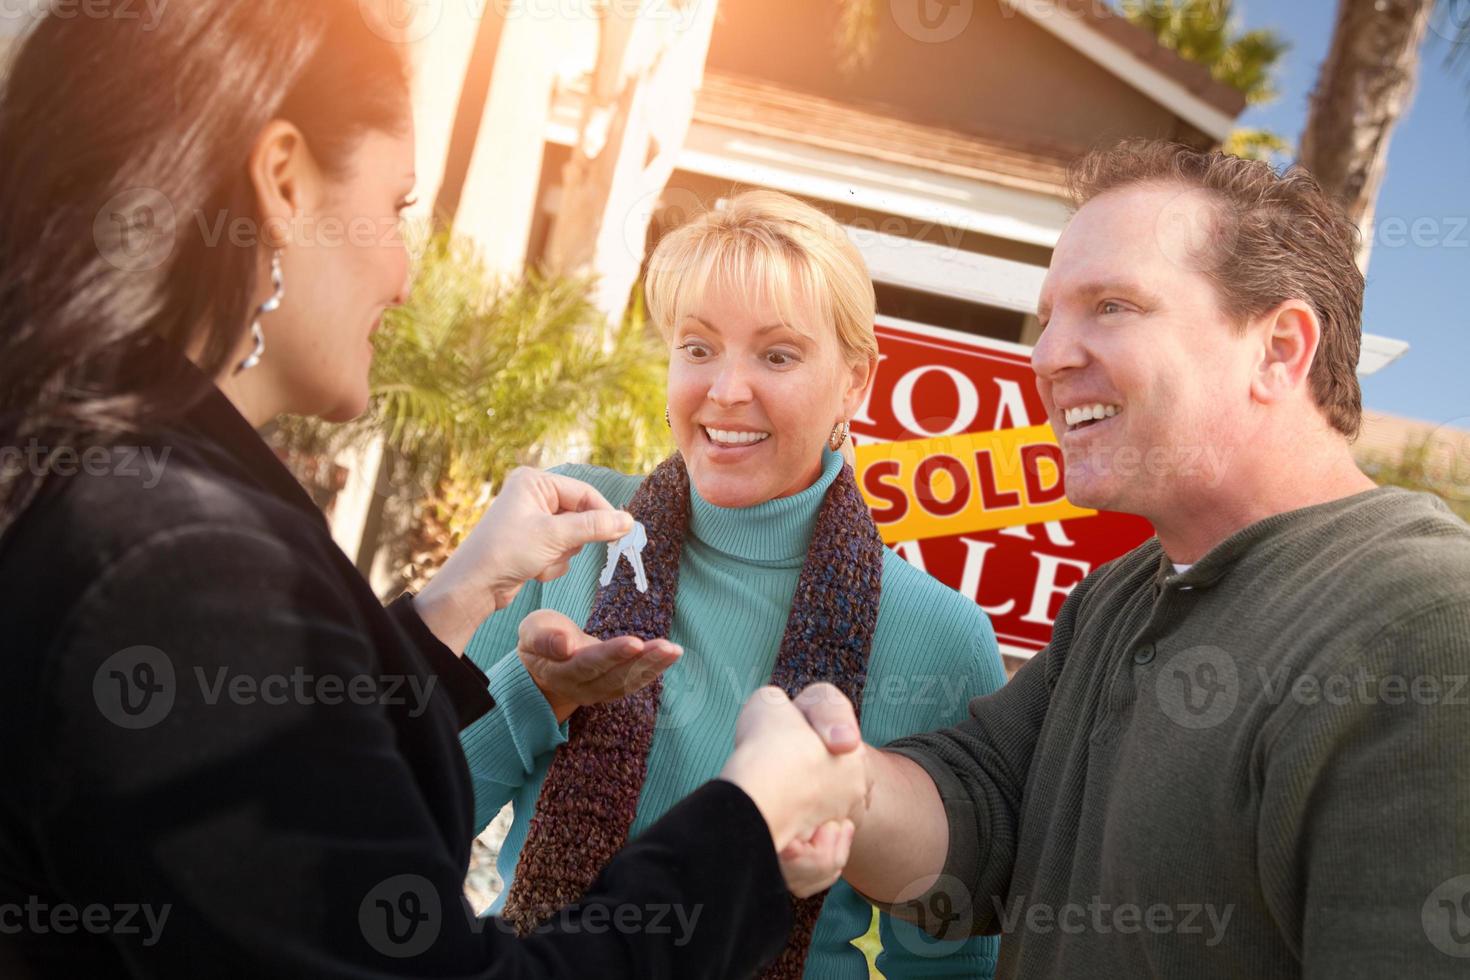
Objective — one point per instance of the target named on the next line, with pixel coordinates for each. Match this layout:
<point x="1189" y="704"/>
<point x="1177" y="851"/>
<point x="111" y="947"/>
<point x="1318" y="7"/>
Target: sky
<point x="1418" y="284"/>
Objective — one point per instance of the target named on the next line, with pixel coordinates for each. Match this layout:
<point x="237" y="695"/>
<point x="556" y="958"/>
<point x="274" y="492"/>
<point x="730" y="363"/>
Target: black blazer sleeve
<point x="223" y="743"/>
<point x="465" y="683"/>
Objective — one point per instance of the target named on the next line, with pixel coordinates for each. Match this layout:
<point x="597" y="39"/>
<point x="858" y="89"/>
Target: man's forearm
<point x="899" y="849"/>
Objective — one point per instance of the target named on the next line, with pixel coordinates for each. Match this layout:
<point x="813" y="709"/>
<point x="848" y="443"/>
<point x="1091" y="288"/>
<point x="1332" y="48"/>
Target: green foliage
<point x="857" y="34"/>
<point x="475" y="375"/>
<point x="1440" y="466"/>
<point x="629" y="433"/>
<point x="1258" y="144"/>
<point x="1208" y="32"/>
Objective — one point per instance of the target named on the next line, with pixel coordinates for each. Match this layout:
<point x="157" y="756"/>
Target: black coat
<point x="220" y="755"/>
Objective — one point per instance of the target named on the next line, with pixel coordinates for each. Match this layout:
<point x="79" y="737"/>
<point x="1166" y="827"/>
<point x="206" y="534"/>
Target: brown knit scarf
<point x="590" y="796"/>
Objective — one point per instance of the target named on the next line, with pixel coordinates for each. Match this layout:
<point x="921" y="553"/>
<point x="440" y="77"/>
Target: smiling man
<point x="1246" y="751"/>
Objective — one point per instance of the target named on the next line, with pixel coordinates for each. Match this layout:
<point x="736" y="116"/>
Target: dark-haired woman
<point x="222" y="755"/>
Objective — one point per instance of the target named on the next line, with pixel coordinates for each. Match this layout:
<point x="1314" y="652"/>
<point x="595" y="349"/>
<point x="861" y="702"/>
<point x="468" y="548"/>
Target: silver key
<point x="632" y="545"/>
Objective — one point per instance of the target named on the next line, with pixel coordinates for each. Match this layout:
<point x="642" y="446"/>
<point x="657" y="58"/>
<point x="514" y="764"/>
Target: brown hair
<point x="107" y="115"/>
<point x="1275" y="237"/>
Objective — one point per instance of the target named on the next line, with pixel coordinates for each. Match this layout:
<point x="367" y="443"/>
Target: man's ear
<point x="1289" y="337"/>
<point x="860" y="378"/>
<point x="285" y="177"/>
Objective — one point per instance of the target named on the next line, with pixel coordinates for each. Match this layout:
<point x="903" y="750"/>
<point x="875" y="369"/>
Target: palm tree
<point x="1203" y="31"/>
<point x="474" y="376"/>
<point x="1364" y="86"/>
<point x="1207" y="32"/>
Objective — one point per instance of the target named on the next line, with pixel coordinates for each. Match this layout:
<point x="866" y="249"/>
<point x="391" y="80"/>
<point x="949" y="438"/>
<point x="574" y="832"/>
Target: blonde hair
<point x="772" y="247"/>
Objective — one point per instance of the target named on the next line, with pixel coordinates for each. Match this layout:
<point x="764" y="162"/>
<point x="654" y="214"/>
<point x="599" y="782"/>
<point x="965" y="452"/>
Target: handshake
<point x="802" y="762"/>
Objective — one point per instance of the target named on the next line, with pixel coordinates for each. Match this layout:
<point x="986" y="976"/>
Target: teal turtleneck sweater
<point x="933" y="650"/>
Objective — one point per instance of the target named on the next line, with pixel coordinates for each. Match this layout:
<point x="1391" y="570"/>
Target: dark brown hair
<point x="107" y="120"/>
<point x="1276" y="237"/>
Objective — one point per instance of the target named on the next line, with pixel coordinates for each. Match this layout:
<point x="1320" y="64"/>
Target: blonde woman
<point x="762" y="566"/>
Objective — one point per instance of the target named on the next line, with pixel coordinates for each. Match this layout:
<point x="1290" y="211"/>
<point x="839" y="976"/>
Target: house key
<point x="632" y="545"/>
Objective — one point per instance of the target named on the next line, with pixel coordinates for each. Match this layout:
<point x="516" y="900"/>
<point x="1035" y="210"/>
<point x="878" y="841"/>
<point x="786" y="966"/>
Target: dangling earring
<point x="838" y="436"/>
<point x="667" y="423"/>
<point x="269" y="306"/>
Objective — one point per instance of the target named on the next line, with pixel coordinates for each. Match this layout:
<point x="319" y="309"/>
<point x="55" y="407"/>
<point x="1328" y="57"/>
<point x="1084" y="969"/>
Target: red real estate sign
<point x="937" y="392"/>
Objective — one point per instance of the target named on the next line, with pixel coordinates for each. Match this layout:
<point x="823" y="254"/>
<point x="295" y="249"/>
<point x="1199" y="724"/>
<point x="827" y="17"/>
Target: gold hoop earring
<point x="838" y="436"/>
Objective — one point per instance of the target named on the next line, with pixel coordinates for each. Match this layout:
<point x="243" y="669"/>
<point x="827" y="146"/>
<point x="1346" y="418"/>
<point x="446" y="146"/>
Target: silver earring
<point x="838" y="436"/>
<point x="269" y="306"/>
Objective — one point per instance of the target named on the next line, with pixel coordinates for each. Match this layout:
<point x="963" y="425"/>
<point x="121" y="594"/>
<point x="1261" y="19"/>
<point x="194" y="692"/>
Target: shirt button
<point x="1144" y="654"/>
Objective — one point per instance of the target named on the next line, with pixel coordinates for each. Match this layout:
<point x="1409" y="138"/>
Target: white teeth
<point x="729" y="438"/>
<point x="1089" y="413"/>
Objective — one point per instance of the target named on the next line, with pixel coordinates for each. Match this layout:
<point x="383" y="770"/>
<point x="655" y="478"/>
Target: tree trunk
<point x="1365" y="84"/>
<point x="634" y="121"/>
<point x="471" y="109"/>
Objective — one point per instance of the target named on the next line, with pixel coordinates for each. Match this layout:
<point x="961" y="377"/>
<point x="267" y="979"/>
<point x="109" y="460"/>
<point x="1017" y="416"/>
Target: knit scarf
<point x="590" y="796"/>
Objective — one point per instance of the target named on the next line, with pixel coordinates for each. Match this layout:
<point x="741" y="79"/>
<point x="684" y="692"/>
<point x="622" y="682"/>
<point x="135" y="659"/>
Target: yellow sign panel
<point x="929" y="488"/>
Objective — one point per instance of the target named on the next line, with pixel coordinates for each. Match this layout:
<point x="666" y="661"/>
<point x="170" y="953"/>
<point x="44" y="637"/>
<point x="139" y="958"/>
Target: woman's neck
<point x="776" y="531"/>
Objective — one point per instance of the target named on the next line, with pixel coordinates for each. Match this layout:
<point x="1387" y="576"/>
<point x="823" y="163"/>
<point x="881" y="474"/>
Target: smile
<point x="730" y="437"/>
<point x="1085" y="415"/>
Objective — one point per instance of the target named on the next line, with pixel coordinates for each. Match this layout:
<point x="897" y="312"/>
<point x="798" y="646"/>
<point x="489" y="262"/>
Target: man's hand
<point x="534" y="528"/>
<point x="573" y="669"/>
<point x="808" y="794"/>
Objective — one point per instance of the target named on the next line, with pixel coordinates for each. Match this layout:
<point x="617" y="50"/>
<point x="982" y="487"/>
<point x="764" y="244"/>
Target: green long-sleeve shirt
<point x="933" y="650"/>
<point x="1259" y="767"/>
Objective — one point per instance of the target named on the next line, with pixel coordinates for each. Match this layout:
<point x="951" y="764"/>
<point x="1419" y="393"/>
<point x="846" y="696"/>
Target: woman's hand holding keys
<point x="536" y="525"/>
